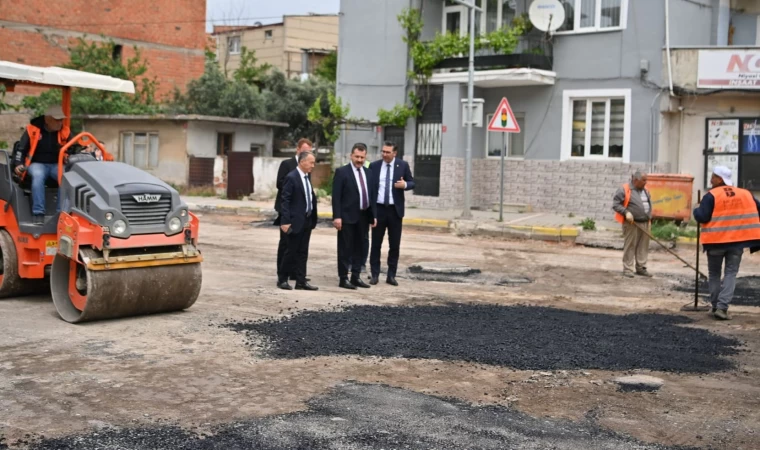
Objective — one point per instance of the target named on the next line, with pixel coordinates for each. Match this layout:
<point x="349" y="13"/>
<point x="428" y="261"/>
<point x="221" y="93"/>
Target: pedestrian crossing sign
<point x="503" y="119"/>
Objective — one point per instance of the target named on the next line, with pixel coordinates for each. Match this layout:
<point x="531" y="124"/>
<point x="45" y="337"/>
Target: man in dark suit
<point x="287" y="166"/>
<point x="298" y="218"/>
<point x="353" y="204"/>
<point x="391" y="177"/>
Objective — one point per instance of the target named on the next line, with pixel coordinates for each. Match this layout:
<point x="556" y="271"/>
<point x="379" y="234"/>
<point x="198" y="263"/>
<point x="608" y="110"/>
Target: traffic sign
<point x="504" y="119"/>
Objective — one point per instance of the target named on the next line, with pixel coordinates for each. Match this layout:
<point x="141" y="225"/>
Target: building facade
<point x="592" y="99"/>
<point x="170" y="34"/>
<point x="294" y="46"/>
<point x="188" y="150"/>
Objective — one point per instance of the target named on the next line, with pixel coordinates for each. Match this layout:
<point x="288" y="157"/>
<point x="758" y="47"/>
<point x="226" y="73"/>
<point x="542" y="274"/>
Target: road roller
<point x="123" y="243"/>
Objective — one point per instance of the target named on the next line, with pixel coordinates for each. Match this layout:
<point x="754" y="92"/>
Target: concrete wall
<point x="172" y="158"/>
<point x="265" y="176"/>
<point x="372" y="59"/>
<point x="202" y="137"/>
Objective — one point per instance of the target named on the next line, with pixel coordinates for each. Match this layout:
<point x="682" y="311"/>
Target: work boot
<point x="628" y="274"/>
<point x="721" y="314"/>
<point x="643" y="272"/>
<point x="39" y="219"/>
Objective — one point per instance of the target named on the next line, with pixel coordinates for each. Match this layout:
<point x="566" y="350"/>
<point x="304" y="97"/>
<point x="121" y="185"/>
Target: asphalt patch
<point x="361" y="416"/>
<point x="521" y="337"/>
<point x="747" y="292"/>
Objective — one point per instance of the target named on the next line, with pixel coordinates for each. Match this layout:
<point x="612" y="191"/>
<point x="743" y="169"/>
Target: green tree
<point x="248" y="71"/>
<point x="213" y="95"/>
<point x="328" y="67"/>
<point x="289" y="101"/>
<point x="99" y="58"/>
<point x="328" y="117"/>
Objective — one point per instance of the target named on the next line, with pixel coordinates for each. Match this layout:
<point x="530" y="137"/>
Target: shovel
<point x="669" y="250"/>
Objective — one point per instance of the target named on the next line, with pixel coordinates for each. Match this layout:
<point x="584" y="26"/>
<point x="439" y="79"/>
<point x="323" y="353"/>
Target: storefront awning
<point x="499" y="78"/>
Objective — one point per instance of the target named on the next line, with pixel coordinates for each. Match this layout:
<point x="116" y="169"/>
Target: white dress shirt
<point x="381" y="190"/>
<point x="306" y="188"/>
<point x="362" y="206"/>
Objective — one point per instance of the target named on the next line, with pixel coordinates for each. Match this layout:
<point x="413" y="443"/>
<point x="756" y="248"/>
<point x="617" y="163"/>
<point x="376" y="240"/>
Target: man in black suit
<point x="298" y="218"/>
<point x="391" y="177"/>
<point x="353" y="204"/>
<point x="287" y="166"/>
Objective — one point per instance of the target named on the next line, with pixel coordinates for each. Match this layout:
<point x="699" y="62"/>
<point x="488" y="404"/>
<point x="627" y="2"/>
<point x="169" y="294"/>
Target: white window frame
<point x="148" y="134"/>
<point x="229" y="47"/>
<point x="509" y="140"/>
<point x="464" y="21"/>
<point x="568" y="96"/>
<point x="597" y="20"/>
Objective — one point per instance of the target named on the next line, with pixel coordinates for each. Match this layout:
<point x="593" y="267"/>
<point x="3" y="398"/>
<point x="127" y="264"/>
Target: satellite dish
<point x="547" y="15"/>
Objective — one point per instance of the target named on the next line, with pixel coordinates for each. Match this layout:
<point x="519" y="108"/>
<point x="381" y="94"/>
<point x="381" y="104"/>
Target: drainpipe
<point x="680" y="137"/>
<point x="667" y="45"/>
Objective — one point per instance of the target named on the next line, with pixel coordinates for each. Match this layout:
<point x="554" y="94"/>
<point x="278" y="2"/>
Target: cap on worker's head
<point x="56" y="112"/>
<point x="724" y="173"/>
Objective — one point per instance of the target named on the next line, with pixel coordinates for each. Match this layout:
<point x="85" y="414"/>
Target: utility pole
<point x="467" y="214"/>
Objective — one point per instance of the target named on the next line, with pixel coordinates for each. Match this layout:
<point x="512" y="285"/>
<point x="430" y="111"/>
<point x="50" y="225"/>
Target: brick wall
<point x="170" y="33"/>
<point x="583" y="188"/>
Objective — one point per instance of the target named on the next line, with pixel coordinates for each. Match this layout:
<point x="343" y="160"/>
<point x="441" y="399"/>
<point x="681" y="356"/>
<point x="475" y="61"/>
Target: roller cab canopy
<point x="12" y="74"/>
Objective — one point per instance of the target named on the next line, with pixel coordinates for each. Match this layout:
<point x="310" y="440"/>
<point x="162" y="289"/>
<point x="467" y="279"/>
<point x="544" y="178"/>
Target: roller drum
<point x="122" y="292"/>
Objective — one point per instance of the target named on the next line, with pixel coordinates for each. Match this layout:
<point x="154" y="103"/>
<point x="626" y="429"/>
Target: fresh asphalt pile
<point x="520" y="337"/>
<point x="360" y="416"/>
<point x="747" y="292"/>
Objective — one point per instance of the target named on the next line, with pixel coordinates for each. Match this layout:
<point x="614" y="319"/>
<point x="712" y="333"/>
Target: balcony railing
<point x="531" y="52"/>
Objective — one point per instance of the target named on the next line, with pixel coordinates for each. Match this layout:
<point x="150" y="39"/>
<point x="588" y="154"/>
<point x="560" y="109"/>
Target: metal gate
<point x="201" y="171"/>
<point x="239" y="174"/>
<point x="429" y="143"/>
<point x="396" y="135"/>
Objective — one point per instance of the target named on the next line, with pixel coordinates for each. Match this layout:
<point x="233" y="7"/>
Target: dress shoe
<point x="359" y="282"/>
<point x="285" y="285"/>
<point x="392" y="281"/>
<point x="306" y="287"/>
<point x="344" y="283"/>
<point x="373" y="280"/>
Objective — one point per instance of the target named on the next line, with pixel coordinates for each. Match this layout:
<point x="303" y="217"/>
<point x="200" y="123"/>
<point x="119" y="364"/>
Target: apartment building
<point x="295" y="46"/>
<point x="593" y="99"/>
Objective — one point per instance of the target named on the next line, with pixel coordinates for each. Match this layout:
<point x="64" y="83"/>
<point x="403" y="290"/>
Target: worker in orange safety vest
<point x="633" y="206"/>
<point x="730" y="221"/>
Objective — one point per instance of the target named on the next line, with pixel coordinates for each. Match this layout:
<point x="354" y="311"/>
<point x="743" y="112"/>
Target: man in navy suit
<point x="354" y="209"/>
<point x="391" y="178"/>
<point x="286" y="166"/>
<point x="298" y="216"/>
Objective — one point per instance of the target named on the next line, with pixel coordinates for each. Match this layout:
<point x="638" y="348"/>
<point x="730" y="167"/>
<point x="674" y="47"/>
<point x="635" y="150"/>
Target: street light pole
<point x="467" y="214"/>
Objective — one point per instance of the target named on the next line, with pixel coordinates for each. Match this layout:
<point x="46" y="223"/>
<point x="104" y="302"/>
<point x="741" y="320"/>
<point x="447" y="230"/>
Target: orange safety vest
<point x="35" y="134"/>
<point x="734" y="218"/>
<point x="627" y="189"/>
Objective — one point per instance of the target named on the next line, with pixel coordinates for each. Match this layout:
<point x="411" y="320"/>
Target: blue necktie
<point x="308" y="195"/>
<point x="387" y="184"/>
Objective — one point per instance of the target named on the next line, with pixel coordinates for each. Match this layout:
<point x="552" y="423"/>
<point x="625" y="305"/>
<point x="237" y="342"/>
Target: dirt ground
<point x="187" y="369"/>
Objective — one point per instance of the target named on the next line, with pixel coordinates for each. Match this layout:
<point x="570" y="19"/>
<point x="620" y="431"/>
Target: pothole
<point x="747" y="292"/>
<point x="458" y="273"/>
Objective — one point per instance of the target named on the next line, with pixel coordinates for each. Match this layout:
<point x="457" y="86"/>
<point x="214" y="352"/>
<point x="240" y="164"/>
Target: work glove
<point x="629" y="216"/>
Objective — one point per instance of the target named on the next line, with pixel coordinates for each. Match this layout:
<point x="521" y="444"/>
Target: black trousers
<point x="387" y="219"/>
<point x="350" y="244"/>
<point x="281" y="247"/>
<point x="296" y="256"/>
